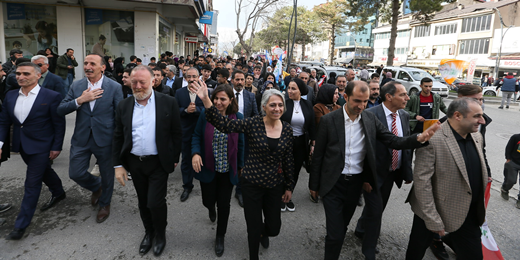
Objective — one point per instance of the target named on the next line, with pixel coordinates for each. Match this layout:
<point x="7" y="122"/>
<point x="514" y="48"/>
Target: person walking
<point x="511" y="167"/>
<point x="509" y="86"/>
<point x="326" y="102"/>
<point x="217" y="159"/>
<point x="425" y="105"/>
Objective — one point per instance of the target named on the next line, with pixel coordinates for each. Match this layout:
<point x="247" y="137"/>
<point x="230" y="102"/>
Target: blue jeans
<point x="67" y="82"/>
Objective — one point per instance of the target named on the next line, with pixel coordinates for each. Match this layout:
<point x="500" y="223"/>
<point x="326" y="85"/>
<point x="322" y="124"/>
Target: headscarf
<point x="262" y="89"/>
<point x="107" y="64"/>
<point x="304" y="90"/>
<point x="332" y="78"/>
<point x="326" y="94"/>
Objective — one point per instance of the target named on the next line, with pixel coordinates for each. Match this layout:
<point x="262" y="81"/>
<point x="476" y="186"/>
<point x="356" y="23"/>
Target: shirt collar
<point x="150" y="100"/>
<point x="347" y="118"/>
<point x="235" y="91"/>
<point x="33" y="91"/>
<point x="387" y="111"/>
<point x="97" y="82"/>
<point x="45" y="74"/>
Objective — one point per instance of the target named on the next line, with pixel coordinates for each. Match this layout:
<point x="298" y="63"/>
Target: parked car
<point x="457" y="83"/>
<point x="411" y="80"/>
<point x="441" y="80"/>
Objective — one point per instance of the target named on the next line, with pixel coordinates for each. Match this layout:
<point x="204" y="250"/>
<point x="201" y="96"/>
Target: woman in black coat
<point x="300" y="114"/>
<point x="53" y="58"/>
<point x="119" y="68"/>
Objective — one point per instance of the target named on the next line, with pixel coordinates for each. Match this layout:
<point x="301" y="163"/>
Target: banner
<point x="268" y="57"/>
<point x="207" y="18"/>
<point x="278" y="69"/>
<point x="490" y="248"/>
<point x="15" y="11"/>
<point x="93" y="16"/>
<point x="450" y="69"/>
<point x="471" y="70"/>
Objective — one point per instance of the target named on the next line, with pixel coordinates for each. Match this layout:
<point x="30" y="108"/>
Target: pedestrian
<point x="388" y="78"/>
<point x="53" y="58"/>
<point x="363" y="74"/>
<point x="374" y="99"/>
<point x="119" y="68"/>
<point x="268" y="170"/>
<point x="450" y="177"/>
<point x="94" y="99"/>
<point x="133" y="62"/>
<point x="38" y="133"/>
<point x="299" y="113"/>
<point x="48" y="79"/>
<point x="158" y="81"/>
<point x="217" y="159"/>
<point x="511" y="167"/>
<point x="326" y="102"/>
<point x="424" y="105"/>
<point x="311" y="95"/>
<point x="342" y="168"/>
<point x="508" y="85"/>
<point x="206" y="77"/>
<point x="341" y="83"/>
<point x="332" y="78"/>
<point x="147" y="141"/>
<point x="391" y="165"/>
<point x="65" y="68"/>
<point x="248" y="85"/>
<point x="126" y="87"/>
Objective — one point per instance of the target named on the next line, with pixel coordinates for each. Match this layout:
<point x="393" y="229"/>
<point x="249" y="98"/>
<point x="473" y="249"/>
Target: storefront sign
<point x="93" y="16"/>
<point x="15" y="11"/>
<point x="207" y="18"/>
<point x="510" y="63"/>
<point x="423" y="63"/>
<point x="191" y="39"/>
<point x="471" y="70"/>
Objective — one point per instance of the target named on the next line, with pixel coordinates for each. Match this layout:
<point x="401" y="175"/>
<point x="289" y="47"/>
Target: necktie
<point x="238" y="95"/>
<point x="395" y="153"/>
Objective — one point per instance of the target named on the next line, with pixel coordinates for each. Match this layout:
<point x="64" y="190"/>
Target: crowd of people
<point x="233" y="124"/>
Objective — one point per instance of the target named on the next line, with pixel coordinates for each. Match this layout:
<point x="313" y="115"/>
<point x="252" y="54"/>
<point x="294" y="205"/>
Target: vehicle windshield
<point x="418" y="75"/>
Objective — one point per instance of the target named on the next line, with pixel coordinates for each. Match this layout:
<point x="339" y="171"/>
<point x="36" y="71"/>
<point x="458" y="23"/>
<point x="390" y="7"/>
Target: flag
<point x="268" y="56"/>
<point x="278" y="69"/>
<point x="490" y="248"/>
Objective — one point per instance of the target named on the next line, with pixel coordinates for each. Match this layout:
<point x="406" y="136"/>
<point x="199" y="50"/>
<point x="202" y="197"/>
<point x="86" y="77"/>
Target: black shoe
<point x="159" y="242"/>
<point x="240" y="200"/>
<point x="212" y="214"/>
<point x="507" y="106"/>
<point x="360" y="201"/>
<point x="185" y="194"/>
<point x="290" y="206"/>
<point x="504" y="194"/>
<point x="500" y="107"/>
<point x="52" y="201"/>
<point x="283" y="206"/>
<point x="264" y="241"/>
<point x="16" y="234"/>
<point x="5" y="207"/>
<point x="439" y="251"/>
<point x="146" y="244"/>
<point x="219" y="246"/>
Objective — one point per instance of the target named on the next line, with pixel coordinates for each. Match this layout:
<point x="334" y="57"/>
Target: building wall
<point x="71" y="34"/>
<point x="146" y="35"/>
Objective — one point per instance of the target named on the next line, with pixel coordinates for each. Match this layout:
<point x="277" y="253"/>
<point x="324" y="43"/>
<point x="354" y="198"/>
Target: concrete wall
<point x="71" y="35"/>
<point x="146" y="35"/>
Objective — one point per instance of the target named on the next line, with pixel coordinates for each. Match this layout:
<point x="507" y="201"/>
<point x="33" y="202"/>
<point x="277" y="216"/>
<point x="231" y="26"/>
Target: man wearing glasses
<point x="48" y="79"/>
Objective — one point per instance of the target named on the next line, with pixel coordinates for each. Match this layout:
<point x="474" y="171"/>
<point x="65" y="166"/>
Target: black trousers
<point x="259" y="200"/>
<point x="218" y="191"/>
<point x="150" y="182"/>
<point x="340" y="204"/>
<point x="369" y="223"/>
<point x="466" y="241"/>
<point x="299" y="154"/>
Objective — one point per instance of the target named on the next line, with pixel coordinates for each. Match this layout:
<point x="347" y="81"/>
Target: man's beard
<point x="141" y="95"/>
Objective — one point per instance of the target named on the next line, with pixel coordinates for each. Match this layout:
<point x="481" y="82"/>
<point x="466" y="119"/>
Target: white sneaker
<point x="95" y="171"/>
<point x="129" y="176"/>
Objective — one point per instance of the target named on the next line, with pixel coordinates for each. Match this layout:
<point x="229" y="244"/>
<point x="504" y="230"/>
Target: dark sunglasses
<point x="40" y="64"/>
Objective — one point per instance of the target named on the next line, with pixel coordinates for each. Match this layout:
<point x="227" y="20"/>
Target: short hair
<point x="102" y="37"/>
<point x="267" y="95"/>
<point x="142" y="67"/>
<point x="352" y="84"/>
<point x="257" y="67"/>
<point x="152" y="64"/>
<point x="153" y="58"/>
<point x="373" y="81"/>
<point x="235" y="72"/>
<point x="168" y="53"/>
<point x="157" y="69"/>
<point x="129" y="71"/>
<point x="15" y="51"/>
<point x="223" y="72"/>
<point x="22" y="60"/>
<point x="313" y="70"/>
<point x="226" y="88"/>
<point x="206" y="67"/>
<point x="101" y="57"/>
<point x="133" y="57"/>
<point x="341" y="76"/>
<point x="461" y="105"/>
<point x="250" y="75"/>
<point x="139" y="60"/>
<point x="172" y="68"/>
<point x="17" y="43"/>
<point x="69" y="49"/>
<point x="468" y="90"/>
<point x="194" y="69"/>
<point x="29" y="64"/>
<point x="426" y="80"/>
<point x="374" y="75"/>
<point x="37" y="57"/>
<point x="388" y="88"/>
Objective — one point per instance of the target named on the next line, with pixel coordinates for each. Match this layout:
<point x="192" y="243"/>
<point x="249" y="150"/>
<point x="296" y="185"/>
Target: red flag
<point x="490" y="248"/>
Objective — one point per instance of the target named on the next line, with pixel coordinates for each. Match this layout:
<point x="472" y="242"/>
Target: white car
<point x="491" y="91"/>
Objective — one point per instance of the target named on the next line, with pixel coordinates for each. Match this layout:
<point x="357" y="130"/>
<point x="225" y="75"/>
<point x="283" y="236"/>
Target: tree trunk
<point x="303" y="49"/>
<point x="393" y="32"/>
<point x="332" y="36"/>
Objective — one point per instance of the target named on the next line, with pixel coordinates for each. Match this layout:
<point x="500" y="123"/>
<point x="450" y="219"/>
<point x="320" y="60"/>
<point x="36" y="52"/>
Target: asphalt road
<point x="69" y="230"/>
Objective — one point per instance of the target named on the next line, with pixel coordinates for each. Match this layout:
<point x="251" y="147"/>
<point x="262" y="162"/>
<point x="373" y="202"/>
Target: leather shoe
<point x="103" y="214"/>
<point x="52" y="201"/>
<point x="212" y="214"/>
<point x="240" y="199"/>
<point x="94" y="199"/>
<point x="185" y="194"/>
<point x="5" y="207"/>
<point x="219" y="246"/>
<point x="159" y="243"/>
<point x="264" y="241"/>
<point x="16" y="234"/>
<point x="146" y="244"/>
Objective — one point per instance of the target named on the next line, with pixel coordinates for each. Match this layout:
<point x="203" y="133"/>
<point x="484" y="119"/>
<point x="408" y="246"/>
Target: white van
<point x="411" y="80"/>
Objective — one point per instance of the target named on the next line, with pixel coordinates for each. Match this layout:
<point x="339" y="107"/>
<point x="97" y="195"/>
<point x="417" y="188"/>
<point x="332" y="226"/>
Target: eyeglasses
<point x="39" y="64"/>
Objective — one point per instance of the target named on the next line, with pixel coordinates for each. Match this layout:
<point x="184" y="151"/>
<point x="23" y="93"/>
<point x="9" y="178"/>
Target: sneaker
<point x="439" y="251"/>
<point x="95" y="171"/>
<point x="129" y="176"/>
<point x="290" y="206"/>
<point x="284" y="206"/>
<point x="313" y="199"/>
<point x="5" y="207"/>
<point x="504" y="194"/>
<point x="500" y="107"/>
<point x="507" y="106"/>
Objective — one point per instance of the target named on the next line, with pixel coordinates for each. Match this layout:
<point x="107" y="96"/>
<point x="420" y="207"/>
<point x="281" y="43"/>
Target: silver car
<point x="411" y="80"/>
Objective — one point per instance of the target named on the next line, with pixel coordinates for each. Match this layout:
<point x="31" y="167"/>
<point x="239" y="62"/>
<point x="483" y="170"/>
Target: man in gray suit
<point x="95" y="99"/>
<point x="392" y="165"/>
<point x="344" y="160"/>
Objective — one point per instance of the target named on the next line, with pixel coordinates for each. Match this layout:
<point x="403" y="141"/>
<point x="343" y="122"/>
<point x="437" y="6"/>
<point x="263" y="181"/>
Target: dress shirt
<point x="193" y="96"/>
<point x="42" y="79"/>
<point x="169" y="82"/>
<point x="96" y="85"/>
<point x="354" y="145"/>
<point x="389" y="120"/>
<point x="297" y="120"/>
<point x="25" y="103"/>
<point x="240" y="100"/>
<point x="143" y="128"/>
<point x="184" y="83"/>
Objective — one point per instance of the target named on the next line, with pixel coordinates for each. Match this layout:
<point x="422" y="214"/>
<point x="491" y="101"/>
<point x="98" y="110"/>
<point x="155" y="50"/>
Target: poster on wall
<point x="109" y="33"/>
<point x="30" y="28"/>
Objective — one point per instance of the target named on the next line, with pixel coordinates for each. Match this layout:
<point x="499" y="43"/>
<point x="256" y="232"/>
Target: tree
<point x="259" y="11"/>
<point x="362" y="10"/>
<point x="333" y="21"/>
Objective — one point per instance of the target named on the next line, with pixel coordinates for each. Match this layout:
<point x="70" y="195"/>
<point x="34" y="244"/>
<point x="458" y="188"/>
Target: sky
<point x="227" y="17"/>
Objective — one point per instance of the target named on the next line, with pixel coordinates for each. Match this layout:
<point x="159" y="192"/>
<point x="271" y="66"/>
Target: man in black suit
<point x="311" y="96"/>
<point x="150" y="149"/>
<point x="180" y="82"/>
<point x="392" y="165"/>
<point x="342" y="166"/>
<point x="48" y="80"/>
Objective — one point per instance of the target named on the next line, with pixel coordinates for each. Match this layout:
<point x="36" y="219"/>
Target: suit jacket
<point x="441" y="194"/>
<point x="384" y="156"/>
<point x="250" y="107"/>
<point x="177" y="84"/>
<point x="167" y="131"/>
<point x="328" y="160"/>
<point x="43" y="129"/>
<point x="55" y="83"/>
<point x="99" y="121"/>
<point x="188" y="120"/>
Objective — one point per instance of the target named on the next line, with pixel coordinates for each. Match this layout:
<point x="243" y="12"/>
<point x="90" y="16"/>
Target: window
<point x="476" y="24"/>
<point x="474" y="46"/>
<point x="422" y="31"/>
<point x="445" y="29"/>
<point x="386" y="35"/>
<point x="403" y="76"/>
<point x="445" y="49"/>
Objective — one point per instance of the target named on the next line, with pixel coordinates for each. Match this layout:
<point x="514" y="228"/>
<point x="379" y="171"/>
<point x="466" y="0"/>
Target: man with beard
<point x="147" y="141"/>
<point x="180" y="82"/>
<point x="304" y="76"/>
<point x="206" y="77"/>
<point x="127" y="85"/>
<point x="158" y="82"/>
<point x="292" y="75"/>
<point x="374" y="99"/>
<point x="341" y="83"/>
<point x="199" y="62"/>
<point x="190" y="107"/>
<point x="95" y="100"/>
